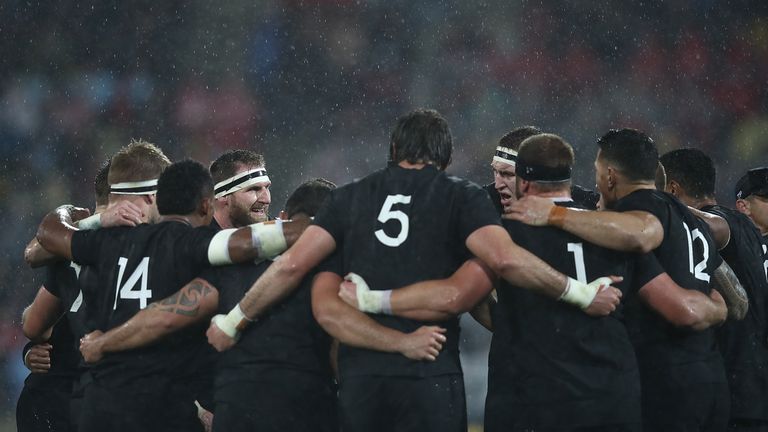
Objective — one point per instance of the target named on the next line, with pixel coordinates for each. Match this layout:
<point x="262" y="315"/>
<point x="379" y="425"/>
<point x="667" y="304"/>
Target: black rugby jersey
<point x="550" y="364"/>
<point x="689" y="255"/>
<point x="137" y="266"/>
<point x="285" y="337"/>
<point x="744" y="343"/>
<point x="396" y="227"/>
<point x="61" y="282"/>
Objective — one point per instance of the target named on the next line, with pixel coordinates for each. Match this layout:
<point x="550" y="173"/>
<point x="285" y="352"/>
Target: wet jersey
<point x="137" y="266"/>
<point x="285" y="337"/>
<point x="551" y="365"/>
<point x="688" y="254"/>
<point x="396" y="227"/>
<point x="744" y="343"/>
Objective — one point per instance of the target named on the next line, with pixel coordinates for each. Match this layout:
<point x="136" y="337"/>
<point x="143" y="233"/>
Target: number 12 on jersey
<point x="387" y="214"/>
<point x="126" y="291"/>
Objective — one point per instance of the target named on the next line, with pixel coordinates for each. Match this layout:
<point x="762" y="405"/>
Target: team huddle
<point x="180" y="304"/>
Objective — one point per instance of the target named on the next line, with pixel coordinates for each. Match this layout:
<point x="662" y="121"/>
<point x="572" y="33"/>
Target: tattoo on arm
<point x="726" y="282"/>
<point x="186" y="301"/>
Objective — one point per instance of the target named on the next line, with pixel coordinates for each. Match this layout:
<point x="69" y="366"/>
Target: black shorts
<point x="280" y="400"/>
<point x="142" y="406"/>
<point x="44" y="408"/>
<point x="692" y="408"/>
<point x="403" y="404"/>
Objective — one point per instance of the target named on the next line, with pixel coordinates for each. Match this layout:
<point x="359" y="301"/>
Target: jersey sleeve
<point x="475" y="211"/>
<point x="647" y="267"/>
<point x="332" y="263"/>
<point x="330" y="217"/>
<point x="86" y="245"/>
<point x="52" y="278"/>
<point x="195" y="245"/>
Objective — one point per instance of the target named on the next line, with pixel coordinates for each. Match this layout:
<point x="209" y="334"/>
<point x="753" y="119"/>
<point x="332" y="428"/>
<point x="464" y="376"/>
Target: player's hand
<point x="721" y="307"/>
<point x="123" y="213"/>
<point x="530" y="210"/>
<point x="218" y="339"/>
<point x="348" y="292"/>
<point x="205" y="417"/>
<point x="78" y="213"/>
<point x="423" y="344"/>
<point x="91" y="346"/>
<point x="606" y="299"/>
<point x="38" y="358"/>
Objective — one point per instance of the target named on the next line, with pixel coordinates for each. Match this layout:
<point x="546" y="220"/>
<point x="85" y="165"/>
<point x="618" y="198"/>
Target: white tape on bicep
<point x="218" y="248"/>
<point x="269" y="237"/>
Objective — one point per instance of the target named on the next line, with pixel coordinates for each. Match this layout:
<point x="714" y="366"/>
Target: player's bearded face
<point x="602" y="183"/>
<point x="250" y="205"/>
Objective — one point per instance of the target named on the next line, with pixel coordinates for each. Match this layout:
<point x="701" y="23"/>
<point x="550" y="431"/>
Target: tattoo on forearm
<point x="186" y="301"/>
<point x="726" y="282"/>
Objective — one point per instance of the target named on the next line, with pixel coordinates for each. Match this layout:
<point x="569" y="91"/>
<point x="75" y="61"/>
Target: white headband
<point x="505" y="155"/>
<point x="240" y="181"/>
<point x="146" y="187"/>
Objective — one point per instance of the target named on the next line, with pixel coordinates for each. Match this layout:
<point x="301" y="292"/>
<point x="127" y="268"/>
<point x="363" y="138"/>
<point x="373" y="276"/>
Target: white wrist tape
<point x="268" y="238"/>
<point x="370" y="301"/>
<point x="581" y="294"/>
<point x="232" y="323"/>
<point x="26" y="358"/>
<point x="92" y="222"/>
<point x="218" y="248"/>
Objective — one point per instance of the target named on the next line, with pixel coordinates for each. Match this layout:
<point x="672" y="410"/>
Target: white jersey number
<point x="387" y="213"/>
<point x="698" y="271"/>
<point x="126" y="291"/>
<point x="79" y="300"/>
<point x="578" y="258"/>
<point x="765" y="263"/>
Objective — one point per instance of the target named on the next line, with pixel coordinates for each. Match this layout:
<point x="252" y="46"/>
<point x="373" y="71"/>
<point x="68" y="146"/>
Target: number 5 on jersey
<point x="387" y="214"/>
<point x="126" y="291"/>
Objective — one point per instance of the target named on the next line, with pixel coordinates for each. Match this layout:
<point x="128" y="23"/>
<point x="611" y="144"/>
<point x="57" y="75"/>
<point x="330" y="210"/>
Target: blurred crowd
<point x="316" y="85"/>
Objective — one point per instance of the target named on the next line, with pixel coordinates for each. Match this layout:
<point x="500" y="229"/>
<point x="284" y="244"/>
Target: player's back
<point x="138" y="266"/>
<point x="743" y="342"/>
<point x="396" y="227"/>
<point x="551" y="365"/>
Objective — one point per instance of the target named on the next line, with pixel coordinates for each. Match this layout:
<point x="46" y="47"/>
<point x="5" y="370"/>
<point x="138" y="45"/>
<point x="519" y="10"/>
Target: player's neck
<point x="222" y="220"/>
<point x="625" y="189"/>
<point x="189" y="220"/>
<point x="555" y="196"/>
<point x="703" y="202"/>
<point x="408" y="165"/>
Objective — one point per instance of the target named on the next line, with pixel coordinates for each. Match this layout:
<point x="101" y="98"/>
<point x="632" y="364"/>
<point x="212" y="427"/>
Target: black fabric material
<point x="672" y="360"/>
<point x="441" y="212"/>
<point x="551" y="365"/>
<point x="744" y="343"/>
<point x="281" y="400"/>
<point x="403" y="404"/>
<point x="45" y="408"/>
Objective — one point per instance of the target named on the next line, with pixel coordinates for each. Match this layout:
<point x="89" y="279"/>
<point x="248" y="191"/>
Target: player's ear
<point x="206" y="206"/>
<point x="283" y="215"/>
<point x="673" y="187"/>
<point x="149" y="199"/>
<point x="743" y="206"/>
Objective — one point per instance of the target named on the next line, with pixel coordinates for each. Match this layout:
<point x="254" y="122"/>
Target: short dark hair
<point x="422" y="136"/>
<point x="308" y="197"/>
<point x="515" y="137"/>
<point x="692" y="169"/>
<point x="182" y="186"/>
<point x="632" y="152"/>
<point x="139" y="160"/>
<point x="546" y="151"/>
<point x="101" y="183"/>
<point x="227" y="164"/>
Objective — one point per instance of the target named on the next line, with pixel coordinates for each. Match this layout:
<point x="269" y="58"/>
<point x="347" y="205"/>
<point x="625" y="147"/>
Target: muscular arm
<point x="354" y="328"/>
<point x="724" y="280"/>
<point x="38" y="319"/>
<point x="36" y="256"/>
<point x="242" y="248"/>
<point x="482" y="312"/>
<point x="632" y="231"/>
<point x="718" y="226"/>
<point x="441" y="299"/>
<point x="194" y="303"/>
<point x="55" y="232"/>
<point x="683" y="307"/>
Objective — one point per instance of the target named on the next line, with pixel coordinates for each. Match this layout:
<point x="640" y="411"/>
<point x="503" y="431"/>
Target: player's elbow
<point x="326" y="316"/>
<point x="504" y="264"/>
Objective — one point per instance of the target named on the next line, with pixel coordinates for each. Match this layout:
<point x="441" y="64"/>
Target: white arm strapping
<point x="218" y="248"/>
<point x="268" y="238"/>
<point x="581" y="294"/>
<point x="92" y="222"/>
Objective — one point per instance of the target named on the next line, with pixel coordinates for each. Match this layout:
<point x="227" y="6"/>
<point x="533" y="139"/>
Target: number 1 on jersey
<point x="578" y="258"/>
<point x="387" y="213"/>
<point x="127" y="291"/>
